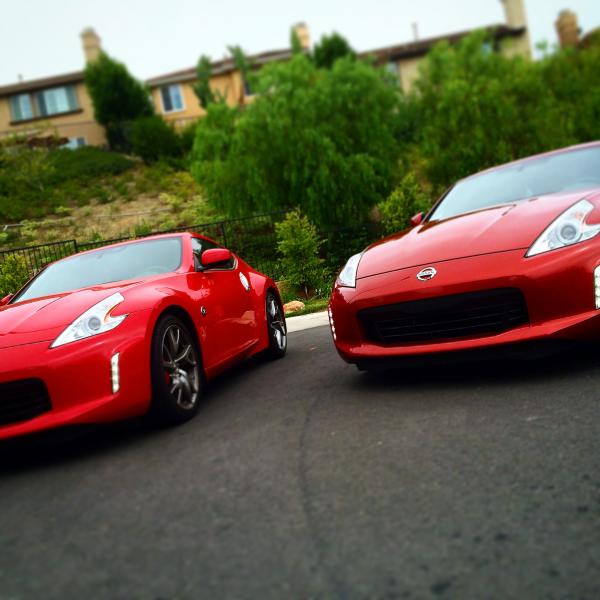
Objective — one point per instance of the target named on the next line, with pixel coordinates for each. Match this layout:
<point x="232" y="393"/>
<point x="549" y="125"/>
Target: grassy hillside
<point x="90" y="194"/>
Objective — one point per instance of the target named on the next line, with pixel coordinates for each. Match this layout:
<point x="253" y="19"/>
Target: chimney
<point x="567" y="29"/>
<point x="91" y="44"/>
<point x="303" y="34"/>
<point x="514" y="11"/>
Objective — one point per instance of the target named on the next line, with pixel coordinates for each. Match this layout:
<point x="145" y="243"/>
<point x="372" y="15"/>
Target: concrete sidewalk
<point x="307" y="321"/>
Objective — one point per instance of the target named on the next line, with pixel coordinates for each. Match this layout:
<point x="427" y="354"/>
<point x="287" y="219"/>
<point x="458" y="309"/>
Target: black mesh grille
<point x="23" y="400"/>
<point x="446" y="317"/>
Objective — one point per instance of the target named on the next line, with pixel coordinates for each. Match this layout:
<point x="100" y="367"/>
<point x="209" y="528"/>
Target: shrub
<point x="63" y="211"/>
<point x="167" y="224"/>
<point x="24" y="181"/>
<point x="122" y="189"/>
<point x="152" y="139"/>
<point x="102" y="195"/>
<point x="174" y="202"/>
<point x="187" y="135"/>
<point x="13" y="274"/>
<point x="85" y="163"/>
<point x="298" y="244"/>
<point x="142" y="229"/>
<point x="404" y="202"/>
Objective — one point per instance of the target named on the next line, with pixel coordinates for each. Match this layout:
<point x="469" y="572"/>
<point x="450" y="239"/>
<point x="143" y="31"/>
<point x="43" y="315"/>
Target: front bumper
<point x="78" y="377"/>
<point x="558" y="288"/>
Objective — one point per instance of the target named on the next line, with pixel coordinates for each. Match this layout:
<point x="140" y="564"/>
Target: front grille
<point x="23" y="400"/>
<point x="446" y="317"/>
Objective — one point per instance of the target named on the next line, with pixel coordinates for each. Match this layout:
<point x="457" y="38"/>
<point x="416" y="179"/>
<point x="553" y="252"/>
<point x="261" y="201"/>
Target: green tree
<point x="202" y="87"/>
<point x="298" y="244"/>
<point x="243" y="66"/>
<point x="478" y="108"/>
<point x="322" y="140"/>
<point x="295" y="42"/>
<point x="573" y="76"/>
<point x="329" y="49"/>
<point x="118" y="99"/>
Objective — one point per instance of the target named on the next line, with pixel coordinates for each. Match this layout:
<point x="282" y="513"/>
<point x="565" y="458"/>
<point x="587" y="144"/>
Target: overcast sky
<point x="39" y="38"/>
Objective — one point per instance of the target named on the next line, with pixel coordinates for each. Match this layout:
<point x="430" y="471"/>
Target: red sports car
<point x="506" y="256"/>
<point x="130" y="329"/>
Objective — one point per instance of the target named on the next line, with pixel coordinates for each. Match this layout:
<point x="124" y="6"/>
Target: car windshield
<point x="565" y="172"/>
<point x="106" y="265"/>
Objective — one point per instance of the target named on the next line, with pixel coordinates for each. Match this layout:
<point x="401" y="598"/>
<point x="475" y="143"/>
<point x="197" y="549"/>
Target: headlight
<point x="347" y="276"/>
<point x="92" y="322"/>
<point x="568" y="229"/>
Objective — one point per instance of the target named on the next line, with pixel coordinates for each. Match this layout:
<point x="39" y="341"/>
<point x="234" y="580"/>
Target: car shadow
<point x="579" y="359"/>
<point x="67" y="444"/>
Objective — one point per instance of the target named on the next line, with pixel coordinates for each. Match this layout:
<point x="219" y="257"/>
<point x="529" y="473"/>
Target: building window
<point x="172" y="99"/>
<point x="392" y="67"/>
<point x="46" y="103"/>
<point x="56" y="101"/>
<point x="74" y="143"/>
<point x="487" y="47"/>
<point x="20" y="107"/>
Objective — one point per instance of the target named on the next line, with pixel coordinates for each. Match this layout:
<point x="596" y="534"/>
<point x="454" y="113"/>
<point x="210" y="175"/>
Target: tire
<point x="176" y="373"/>
<point x="276" y="328"/>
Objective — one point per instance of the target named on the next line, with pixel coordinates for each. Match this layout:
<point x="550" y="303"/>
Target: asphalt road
<point x="306" y="479"/>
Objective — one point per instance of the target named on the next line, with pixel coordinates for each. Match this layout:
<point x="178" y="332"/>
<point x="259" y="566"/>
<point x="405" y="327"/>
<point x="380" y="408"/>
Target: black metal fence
<point x="253" y="238"/>
<point x="35" y="257"/>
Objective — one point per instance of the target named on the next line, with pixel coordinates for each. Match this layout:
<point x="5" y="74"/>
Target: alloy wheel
<point x="181" y="368"/>
<point x="277" y="327"/>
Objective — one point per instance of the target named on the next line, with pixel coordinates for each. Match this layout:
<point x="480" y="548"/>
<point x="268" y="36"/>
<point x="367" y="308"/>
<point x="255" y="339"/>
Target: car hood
<point x="497" y="229"/>
<point x="42" y="319"/>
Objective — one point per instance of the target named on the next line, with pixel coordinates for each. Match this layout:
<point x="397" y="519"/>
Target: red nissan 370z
<point x="130" y="329"/>
<point x="506" y="256"/>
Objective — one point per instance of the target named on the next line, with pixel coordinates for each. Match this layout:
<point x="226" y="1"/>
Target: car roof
<point x="158" y="236"/>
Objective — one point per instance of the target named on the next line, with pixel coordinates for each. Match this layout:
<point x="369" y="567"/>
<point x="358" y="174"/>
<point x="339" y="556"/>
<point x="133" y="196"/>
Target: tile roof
<point x="220" y="67"/>
<point x="400" y="51"/>
<point x="421" y="47"/>
<point x="38" y="84"/>
<point x="396" y="52"/>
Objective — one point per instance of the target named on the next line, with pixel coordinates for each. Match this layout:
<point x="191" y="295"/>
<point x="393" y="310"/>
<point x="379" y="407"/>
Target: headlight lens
<point x="568" y="229"/>
<point x="347" y="276"/>
<point x="92" y="322"/>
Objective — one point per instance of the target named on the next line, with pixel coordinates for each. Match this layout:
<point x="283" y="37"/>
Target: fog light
<point x="114" y="373"/>
<point x="597" y="286"/>
<point x="331" y="323"/>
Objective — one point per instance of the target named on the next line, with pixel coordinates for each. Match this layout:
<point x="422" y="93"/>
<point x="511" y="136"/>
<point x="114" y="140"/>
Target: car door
<point x="226" y="305"/>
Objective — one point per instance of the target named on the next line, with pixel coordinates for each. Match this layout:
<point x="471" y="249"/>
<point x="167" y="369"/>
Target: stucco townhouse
<point x="60" y="105"/>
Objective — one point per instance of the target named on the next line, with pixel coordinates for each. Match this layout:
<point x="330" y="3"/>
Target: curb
<point x="307" y="321"/>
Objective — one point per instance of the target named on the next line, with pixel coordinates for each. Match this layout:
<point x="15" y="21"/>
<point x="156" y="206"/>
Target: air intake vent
<point x="23" y="400"/>
<point x="447" y="317"/>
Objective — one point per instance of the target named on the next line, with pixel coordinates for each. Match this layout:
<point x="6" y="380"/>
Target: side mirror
<point x="6" y="299"/>
<point x="215" y="257"/>
<point x="417" y="219"/>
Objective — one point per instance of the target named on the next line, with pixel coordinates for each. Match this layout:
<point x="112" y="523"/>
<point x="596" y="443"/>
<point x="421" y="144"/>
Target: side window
<point x="199" y="246"/>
